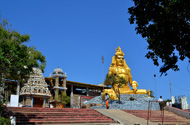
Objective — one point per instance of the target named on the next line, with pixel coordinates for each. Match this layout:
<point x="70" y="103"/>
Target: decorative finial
<point x="102" y="59"/>
<point x="119" y="52"/>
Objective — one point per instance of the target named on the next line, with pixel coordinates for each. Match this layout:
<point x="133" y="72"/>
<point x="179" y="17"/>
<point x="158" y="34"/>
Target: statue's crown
<point x="119" y="52"/>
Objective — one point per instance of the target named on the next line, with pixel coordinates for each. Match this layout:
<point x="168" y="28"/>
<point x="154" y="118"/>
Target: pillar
<point x="18" y="90"/>
<point x="56" y="88"/>
<point x="87" y="94"/>
<point x="32" y="101"/>
<point x="48" y="102"/>
<point x="18" y="87"/>
<point x="44" y="103"/>
<point x="23" y="100"/>
<point x="64" y="84"/>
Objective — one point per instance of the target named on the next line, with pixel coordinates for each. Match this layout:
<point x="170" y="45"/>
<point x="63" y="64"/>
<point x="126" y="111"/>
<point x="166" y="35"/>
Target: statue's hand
<point x="134" y="86"/>
<point x="134" y="83"/>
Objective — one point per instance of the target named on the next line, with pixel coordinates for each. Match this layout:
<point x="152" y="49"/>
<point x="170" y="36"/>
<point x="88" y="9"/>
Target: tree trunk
<point x="115" y="91"/>
<point x="119" y="95"/>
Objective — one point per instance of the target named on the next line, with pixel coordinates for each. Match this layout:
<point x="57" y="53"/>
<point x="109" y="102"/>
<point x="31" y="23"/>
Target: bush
<point x="4" y="121"/>
<point x="64" y="98"/>
<point x="4" y="117"/>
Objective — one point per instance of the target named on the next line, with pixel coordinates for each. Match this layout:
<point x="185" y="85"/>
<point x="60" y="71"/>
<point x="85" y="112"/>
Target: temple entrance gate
<point x="38" y="102"/>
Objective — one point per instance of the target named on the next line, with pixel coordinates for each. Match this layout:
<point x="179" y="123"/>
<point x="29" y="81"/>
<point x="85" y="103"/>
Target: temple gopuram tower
<point x="35" y="92"/>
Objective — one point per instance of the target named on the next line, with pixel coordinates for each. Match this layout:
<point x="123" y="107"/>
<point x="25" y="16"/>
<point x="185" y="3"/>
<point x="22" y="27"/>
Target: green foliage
<point x="64" y="98"/>
<point x="2" y="108"/>
<point x="112" y="79"/>
<point x="4" y="118"/>
<point x="167" y="100"/>
<point x="15" y="55"/>
<point x="116" y="82"/>
<point x="152" y="94"/>
<point x="56" y="98"/>
<point x="166" y="26"/>
<point x="4" y="121"/>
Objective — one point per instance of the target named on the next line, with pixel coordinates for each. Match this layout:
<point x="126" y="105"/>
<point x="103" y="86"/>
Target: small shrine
<point x="35" y="92"/>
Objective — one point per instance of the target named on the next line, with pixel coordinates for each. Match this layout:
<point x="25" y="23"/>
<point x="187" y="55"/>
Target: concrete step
<point x="156" y="116"/>
<point x="58" y="116"/>
<point x="57" y="113"/>
<point x="66" y="122"/>
<point x="46" y="109"/>
<point x="65" y="119"/>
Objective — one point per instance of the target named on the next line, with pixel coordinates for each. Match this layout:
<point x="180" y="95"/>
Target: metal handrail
<point x="149" y="112"/>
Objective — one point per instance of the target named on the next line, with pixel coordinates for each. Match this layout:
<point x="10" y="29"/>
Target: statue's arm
<point x="110" y="71"/>
<point x="130" y="80"/>
<point x="130" y="77"/>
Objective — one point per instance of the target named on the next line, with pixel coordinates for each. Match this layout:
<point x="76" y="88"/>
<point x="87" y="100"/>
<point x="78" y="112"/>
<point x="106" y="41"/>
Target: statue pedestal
<point x="140" y="102"/>
<point x="123" y="91"/>
<point x="126" y="97"/>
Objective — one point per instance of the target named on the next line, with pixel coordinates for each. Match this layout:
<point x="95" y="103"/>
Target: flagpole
<point x="170" y="86"/>
<point x="155" y="85"/>
<point x="103" y="71"/>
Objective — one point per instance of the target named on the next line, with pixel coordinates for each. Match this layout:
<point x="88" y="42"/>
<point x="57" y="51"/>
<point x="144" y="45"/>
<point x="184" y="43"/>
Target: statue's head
<point x="119" y="57"/>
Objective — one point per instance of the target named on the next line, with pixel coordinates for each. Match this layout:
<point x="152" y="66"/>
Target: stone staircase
<point x="26" y="115"/>
<point x="156" y="116"/>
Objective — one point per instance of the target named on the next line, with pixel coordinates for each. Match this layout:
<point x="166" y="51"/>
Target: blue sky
<point x="75" y="34"/>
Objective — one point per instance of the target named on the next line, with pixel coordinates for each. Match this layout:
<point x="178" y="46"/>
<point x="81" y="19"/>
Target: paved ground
<point x="124" y="118"/>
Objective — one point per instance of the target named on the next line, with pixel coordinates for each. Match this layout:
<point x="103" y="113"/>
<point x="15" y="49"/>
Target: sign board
<point x="14" y="101"/>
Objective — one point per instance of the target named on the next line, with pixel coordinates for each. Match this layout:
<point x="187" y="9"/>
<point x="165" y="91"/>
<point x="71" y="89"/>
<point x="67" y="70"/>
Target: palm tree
<point x="116" y="82"/>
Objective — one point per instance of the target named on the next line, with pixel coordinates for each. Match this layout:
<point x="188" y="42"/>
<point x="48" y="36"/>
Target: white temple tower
<point x="35" y="92"/>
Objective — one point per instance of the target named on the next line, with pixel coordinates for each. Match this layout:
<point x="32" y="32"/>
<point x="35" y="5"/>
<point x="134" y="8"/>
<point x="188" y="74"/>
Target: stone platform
<point x="140" y="102"/>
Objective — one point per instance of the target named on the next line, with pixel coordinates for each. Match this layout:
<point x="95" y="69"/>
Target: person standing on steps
<point x="106" y="100"/>
<point x="161" y="103"/>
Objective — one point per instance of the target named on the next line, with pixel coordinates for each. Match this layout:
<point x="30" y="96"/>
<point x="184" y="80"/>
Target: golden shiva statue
<point x="119" y="67"/>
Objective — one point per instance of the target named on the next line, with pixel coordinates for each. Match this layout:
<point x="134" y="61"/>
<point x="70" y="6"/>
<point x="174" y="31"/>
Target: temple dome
<point x="58" y="71"/>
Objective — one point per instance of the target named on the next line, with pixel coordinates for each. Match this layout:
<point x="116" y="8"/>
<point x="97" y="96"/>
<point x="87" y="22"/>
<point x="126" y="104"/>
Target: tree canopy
<point x="64" y="99"/>
<point x="166" y="26"/>
<point x="116" y="82"/>
<point x="15" y="57"/>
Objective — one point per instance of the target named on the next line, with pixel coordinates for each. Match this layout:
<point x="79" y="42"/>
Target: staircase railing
<point x="149" y="111"/>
